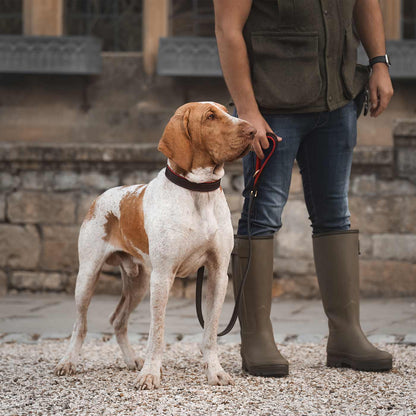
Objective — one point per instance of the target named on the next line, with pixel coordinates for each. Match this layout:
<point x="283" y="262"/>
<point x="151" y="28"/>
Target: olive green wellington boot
<point x="259" y="353"/>
<point x="336" y="261"/>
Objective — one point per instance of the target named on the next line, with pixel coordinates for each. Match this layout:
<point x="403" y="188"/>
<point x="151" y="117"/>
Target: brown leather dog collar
<point x="192" y="186"/>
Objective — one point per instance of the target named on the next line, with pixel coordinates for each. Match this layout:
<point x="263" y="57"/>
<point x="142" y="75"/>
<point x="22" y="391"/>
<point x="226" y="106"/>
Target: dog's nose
<point x="250" y="131"/>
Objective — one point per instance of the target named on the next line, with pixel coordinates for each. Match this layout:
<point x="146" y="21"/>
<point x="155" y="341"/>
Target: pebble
<point x="103" y="385"/>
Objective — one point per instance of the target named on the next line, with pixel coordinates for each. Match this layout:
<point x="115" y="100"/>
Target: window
<point x="192" y="18"/>
<point x="409" y="19"/>
<point x="11" y="17"/>
<point x="118" y="23"/>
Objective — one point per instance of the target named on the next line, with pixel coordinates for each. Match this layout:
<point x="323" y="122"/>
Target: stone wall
<point x="46" y="191"/>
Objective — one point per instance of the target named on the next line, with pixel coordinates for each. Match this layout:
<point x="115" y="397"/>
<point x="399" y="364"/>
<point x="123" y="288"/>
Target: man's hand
<point x="381" y="89"/>
<point x="260" y="141"/>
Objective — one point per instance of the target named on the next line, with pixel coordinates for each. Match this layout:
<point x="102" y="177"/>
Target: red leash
<point x="260" y="165"/>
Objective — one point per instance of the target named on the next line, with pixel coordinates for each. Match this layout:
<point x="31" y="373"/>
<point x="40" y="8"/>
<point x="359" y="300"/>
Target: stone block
<point x="366" y="245"/>
<point x="406" y="162"/>
<point x="298" y="287"/>
<point x="41" y="207"/>
<point x="36" y="281"/>
<point x="19" y="246"/>
<point x="371" y="185"/>
<point x="59" y="247"/>
<point x="237" y="183"/>
<point x="294" y="239"/>
<point x="2" y="208"/>
<point x="36" y="180"/>
<point x="363" y="185"/>
<point x="377" y="215"/>
<point x="296" y="186"/>
<point x="138" y="177"/>
<point x="66" y="180"/>
<point x="177" y="288"/>
<point x="84" y="203"/>
<point x="8" y="181"/>
<point x="235" y="202"/>
<point x="293" y="265"/>
<point x="387" y="278"/>
<point x="100" y="181"/>
<point x="3" y="283"/>
<point x="395" y="247"/>
<point x="108" y="284"/>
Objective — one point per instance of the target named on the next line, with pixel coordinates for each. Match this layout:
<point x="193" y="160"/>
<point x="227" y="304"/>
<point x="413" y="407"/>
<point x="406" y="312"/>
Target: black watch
<point x="385" y="59"/>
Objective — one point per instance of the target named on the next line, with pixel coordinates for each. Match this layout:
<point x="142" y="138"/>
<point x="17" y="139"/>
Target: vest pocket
<point x="349" y="61"/>
<point x="285" y="69"/>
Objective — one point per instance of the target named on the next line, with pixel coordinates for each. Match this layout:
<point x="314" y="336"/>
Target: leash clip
<point x="253" y="193"/>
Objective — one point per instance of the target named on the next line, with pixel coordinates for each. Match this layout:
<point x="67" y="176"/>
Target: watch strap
<point x="378" y="59"/>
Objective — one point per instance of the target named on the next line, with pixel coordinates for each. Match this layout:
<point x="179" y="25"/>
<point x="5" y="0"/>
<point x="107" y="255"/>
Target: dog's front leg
<point x="216" y="290"/>
<point x="149" y="377"/>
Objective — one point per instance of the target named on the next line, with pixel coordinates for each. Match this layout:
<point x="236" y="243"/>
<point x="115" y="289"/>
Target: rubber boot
<point x="336" y="261"/>
<point x="259" y="353"/>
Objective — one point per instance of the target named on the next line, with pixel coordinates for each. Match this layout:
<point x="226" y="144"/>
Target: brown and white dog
<point x="158" y="231"/>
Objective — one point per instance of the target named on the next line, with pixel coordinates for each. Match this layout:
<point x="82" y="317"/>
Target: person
<point x="290" y="67"/>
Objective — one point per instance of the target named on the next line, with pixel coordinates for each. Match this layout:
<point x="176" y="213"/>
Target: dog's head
<point x="202" y="135"/>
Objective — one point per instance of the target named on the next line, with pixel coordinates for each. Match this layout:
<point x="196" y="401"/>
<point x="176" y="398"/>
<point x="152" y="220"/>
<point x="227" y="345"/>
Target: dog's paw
<point x="65" y="368"/>
<point x="219" y="378"/>
<point x="136" y="364"/>
<point x="147" y="381"/>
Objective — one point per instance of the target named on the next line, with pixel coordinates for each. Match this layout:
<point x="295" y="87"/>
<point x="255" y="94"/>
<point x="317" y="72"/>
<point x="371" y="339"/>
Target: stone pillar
<point x="155" y="26"/>
<point x="405" y="149"/>
<point x="391" y="10"/>
<point x="43" y="17"/>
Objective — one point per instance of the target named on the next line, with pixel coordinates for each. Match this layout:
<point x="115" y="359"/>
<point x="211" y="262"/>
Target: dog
<point x="158" y="231"/>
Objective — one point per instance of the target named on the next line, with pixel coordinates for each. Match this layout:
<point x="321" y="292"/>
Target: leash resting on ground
<point x="260" y="165"/>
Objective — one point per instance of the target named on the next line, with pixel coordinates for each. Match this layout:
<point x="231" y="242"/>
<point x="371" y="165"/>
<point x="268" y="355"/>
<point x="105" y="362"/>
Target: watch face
<point x="387" y="60"/>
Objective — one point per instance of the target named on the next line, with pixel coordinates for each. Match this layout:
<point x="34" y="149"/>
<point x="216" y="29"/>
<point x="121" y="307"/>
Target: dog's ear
<point x="176" y="142"/>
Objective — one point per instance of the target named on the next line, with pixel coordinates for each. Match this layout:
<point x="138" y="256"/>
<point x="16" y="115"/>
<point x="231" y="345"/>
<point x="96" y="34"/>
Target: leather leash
<point x="260" y="165"/>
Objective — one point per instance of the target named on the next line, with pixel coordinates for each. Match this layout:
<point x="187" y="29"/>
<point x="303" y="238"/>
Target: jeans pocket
<point x="285" y="69"/>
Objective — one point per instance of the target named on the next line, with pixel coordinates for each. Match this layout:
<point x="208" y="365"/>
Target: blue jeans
<point x="322" y="144"/>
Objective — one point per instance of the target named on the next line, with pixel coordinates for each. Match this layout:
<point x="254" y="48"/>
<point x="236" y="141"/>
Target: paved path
<point x="28" y="318"/>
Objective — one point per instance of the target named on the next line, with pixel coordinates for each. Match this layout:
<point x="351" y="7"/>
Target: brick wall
<point x="46" y="191"/>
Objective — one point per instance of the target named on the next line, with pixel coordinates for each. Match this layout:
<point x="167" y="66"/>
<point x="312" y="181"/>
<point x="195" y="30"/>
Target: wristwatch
<point x="384" y="58"/>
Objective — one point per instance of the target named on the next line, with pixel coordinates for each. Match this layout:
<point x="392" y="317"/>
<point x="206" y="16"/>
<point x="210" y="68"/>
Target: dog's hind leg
<point x="135" y="285"/>
<point x="91" y="262"/>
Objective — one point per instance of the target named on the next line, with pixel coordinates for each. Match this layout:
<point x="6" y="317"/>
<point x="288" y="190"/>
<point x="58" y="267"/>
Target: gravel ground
<point x="103" y="385"/>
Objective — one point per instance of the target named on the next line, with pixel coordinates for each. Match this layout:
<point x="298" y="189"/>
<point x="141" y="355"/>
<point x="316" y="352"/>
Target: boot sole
<point x="277" y="370"/>
<point x="360" y="365"/>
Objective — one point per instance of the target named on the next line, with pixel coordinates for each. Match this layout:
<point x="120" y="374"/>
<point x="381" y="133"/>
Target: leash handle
<point x="260" y="165"/>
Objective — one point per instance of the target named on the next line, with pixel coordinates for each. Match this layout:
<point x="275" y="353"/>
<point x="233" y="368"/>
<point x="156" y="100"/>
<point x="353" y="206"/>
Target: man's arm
<point x="230" y="18"/>
<point x="369" y="23"/>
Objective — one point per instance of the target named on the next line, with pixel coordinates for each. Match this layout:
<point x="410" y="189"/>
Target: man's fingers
<point x="374" y="98"/>
<point x="257" y="149"/>
<point x="264" y="141"/>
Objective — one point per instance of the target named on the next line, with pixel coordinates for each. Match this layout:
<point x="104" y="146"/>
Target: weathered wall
<point x="46" y="191"/>
<point x="121" y="104"/>
<point x="124" y="105"/>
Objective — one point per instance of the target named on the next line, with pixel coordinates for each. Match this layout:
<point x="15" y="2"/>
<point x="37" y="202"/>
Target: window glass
<point x="409" y="19"/>
<point x="11" y="17"/>
<point x="118" y="23"/>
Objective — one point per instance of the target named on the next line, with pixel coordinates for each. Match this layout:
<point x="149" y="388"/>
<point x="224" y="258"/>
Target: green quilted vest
<point x="303" y="55"/>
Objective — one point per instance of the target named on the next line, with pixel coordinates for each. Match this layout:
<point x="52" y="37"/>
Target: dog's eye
<point x="211" y="116"/>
